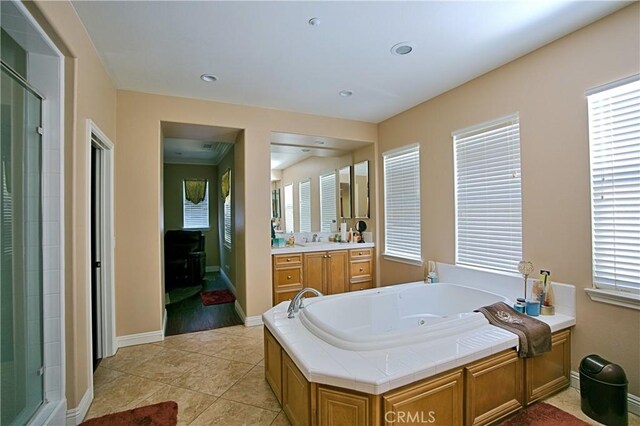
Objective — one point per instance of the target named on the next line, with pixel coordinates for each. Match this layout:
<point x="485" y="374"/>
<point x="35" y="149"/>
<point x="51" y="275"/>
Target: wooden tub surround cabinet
<point x="478" y="393"/>
<point x="328" y="271"/>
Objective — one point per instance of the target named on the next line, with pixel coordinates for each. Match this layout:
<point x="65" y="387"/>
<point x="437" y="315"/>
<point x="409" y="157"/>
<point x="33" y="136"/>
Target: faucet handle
<point x="301" y="305"/>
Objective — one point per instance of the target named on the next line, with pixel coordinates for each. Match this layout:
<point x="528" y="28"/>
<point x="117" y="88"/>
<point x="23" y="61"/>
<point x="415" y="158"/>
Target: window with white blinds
<point x="488" y="195"/>
<point x="614" y="139"/>
<point x="195" y="216"/>
<point x="305" y="206"/>
<point x="328" y="205"/>
<point x="288" y="208"/>
<point x="227" y="221"/>
<point x="401" y="176"/>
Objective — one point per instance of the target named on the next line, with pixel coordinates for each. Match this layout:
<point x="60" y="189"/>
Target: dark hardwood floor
<point x="191" y="315"/>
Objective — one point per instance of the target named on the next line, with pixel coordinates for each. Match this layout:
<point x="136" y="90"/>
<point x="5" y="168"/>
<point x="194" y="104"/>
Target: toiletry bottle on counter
<point x="343" y="231"/>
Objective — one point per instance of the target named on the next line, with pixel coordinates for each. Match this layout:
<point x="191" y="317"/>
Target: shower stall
<point x="22" y="387"/>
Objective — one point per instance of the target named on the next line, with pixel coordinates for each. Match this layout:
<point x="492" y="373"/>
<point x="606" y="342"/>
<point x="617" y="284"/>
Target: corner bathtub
<point x="395" y="316"/>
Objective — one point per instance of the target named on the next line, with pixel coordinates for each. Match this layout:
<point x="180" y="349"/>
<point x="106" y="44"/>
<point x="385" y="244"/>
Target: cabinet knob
<point x="288" y="277"/>
<point x="360" y="253"/>
<point x="288" y="260"/>
<point x="361" y="269"/>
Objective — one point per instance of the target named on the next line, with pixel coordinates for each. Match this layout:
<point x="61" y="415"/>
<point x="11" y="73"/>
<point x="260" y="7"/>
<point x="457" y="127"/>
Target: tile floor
<point x="216" y="377"/>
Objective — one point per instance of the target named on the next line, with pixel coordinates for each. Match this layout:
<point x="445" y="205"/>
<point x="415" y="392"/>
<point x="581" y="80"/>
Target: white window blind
<point x="227" y="220"/>
<point x="305" y="206"/>
<point x="195" y="216"/>
<point x="402" y="203"/>
<point x="614" y="139"/>
<point x="288" y="208"/>
<point x="488" y="195"/>
<point x="328" y="205"/>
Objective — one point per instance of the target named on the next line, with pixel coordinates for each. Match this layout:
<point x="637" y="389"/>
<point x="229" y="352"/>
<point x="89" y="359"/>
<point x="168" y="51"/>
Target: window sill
<point x="612" y="297"/>
<point x="393" y="258"/>
<point x="197" y="229"/>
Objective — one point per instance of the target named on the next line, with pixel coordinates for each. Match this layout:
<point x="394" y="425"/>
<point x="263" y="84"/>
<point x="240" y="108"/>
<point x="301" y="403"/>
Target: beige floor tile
<point x="256" y="332"/>
<point x="281" y="420"/>
<point x="213" y="377"/>
<point x="128" y="358"/>
<point x="104" y="375"/>
<point x="120" y="394"/>
<point x="253" y="389"/>
<point x="190" y="404"/>
<point x="230" y="413"/>
<point x="208" y="343"/>
<point x="168" y="365"/>
<point x="241" y="350"/>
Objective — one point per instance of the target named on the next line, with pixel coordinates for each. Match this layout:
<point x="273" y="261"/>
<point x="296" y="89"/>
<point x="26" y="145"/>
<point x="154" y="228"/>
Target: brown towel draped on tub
<point x="535" y="335"/>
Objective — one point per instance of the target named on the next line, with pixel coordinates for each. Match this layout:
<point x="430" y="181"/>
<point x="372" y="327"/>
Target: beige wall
<point x="173" y="178"/>
<point x="138" y="230"/>
<point x="89" y="94"/>
<point x="547" y="88"/>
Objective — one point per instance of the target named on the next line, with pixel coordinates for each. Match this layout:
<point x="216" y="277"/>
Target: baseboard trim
<point x="212" y="268"/>
<point x="248" y="321"/>
<point x="140" y="338"/>
<point x="76" y="415"/>
<point x="633" y="402"/>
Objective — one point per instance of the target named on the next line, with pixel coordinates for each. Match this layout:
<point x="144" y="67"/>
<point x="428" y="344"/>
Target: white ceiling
<point x="266" y="54"/>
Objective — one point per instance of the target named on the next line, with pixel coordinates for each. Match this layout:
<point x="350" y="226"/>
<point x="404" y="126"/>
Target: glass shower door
<point x="21" y="290"/>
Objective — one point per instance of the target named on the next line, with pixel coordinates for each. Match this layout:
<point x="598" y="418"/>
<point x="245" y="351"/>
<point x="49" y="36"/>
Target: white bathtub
<point x="395" y="316"/>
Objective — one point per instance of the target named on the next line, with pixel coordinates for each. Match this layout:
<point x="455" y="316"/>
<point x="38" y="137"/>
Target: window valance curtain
<point x="225" y="185"/>
<point x="194" y="190"/>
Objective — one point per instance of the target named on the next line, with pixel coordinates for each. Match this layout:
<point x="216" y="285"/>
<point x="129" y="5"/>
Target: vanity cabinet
<point x="326" y="271"/>
<point x="330" y="272"/>
<point x="287" y="276"/>
<point x="360" y="269"/>
<point x="548" y="373"/>
<point x="273" y="364"/>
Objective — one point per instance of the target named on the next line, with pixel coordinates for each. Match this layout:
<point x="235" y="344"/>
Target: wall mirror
<point x="361" y="190"/>
<point x="345" y="192"/>
<point x="275" y="203"/>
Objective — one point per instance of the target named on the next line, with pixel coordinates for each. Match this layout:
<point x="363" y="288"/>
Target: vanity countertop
<point x="324" y="246"/>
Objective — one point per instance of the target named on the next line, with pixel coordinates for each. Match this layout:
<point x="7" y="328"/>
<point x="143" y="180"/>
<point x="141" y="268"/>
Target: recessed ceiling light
<point x="402" y="49"/>
<point x="305" y="150"/>
<point x="208" y="78"/>
<point x="345" y="93"/>
<point x="314" y="22"/>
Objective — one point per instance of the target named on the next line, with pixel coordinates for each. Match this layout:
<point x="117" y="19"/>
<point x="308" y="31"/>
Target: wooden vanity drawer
<point x="285" y="277"/>
<point x="363" y="285"/>
<point x="360" y="269"/>
<point x="364" y="253"/>
<point x="281" y="296"/>
<point x="287" y="259"/>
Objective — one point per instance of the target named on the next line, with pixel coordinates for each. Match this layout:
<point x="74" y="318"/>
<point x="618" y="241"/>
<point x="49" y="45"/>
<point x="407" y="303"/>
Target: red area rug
<point x="162" y="414"/>
<point x="216" y="297"/>
<point x="543" y="414"/>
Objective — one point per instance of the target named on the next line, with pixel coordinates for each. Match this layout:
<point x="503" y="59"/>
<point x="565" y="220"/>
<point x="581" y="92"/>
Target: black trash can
<point x="603" y="391"/>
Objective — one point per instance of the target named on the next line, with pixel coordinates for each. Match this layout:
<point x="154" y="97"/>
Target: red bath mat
<point x="215" y="297"/>
<point x="162" y="414"/>
<point x="543" y="414"/>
